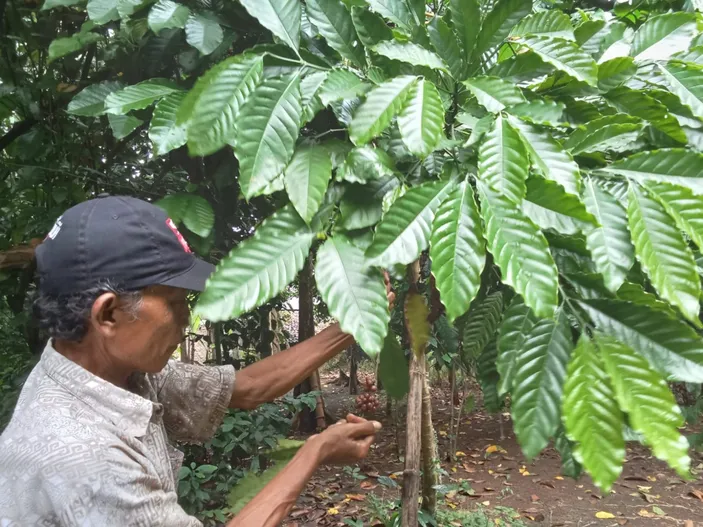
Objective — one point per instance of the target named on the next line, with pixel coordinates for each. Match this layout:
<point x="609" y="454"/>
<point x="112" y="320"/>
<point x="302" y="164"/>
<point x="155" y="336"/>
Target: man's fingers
<point x="368" y="428"/>
<point x="351" y="418"/>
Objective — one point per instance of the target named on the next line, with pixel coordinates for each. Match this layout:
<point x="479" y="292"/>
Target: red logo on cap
<point x="180" y="237"/>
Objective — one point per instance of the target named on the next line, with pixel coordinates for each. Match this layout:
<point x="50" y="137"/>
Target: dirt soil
<point x="647" y="494"/>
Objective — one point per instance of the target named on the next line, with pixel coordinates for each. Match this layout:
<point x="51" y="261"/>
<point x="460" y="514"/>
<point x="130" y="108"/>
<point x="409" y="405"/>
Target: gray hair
<point x="65" y="317"/>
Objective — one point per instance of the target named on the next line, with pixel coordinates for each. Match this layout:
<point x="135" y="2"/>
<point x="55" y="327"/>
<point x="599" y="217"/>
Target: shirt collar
<point x="128" y="411"/>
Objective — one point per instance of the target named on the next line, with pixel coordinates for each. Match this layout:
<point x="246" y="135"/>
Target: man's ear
<point x="103" y="314"/>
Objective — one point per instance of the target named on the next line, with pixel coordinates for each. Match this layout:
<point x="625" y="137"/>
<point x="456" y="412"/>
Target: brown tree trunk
<point x="353" y="366"/>
<point x="430" y="454"/>
<point x="413" y="443"/>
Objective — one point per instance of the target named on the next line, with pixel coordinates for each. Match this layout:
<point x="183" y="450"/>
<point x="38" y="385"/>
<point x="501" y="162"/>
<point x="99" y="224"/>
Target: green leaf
<point x="123" y="125"/>
<point x="252" y="484"/>
<point x="51" y="4"/>
<point x="494" y="93"/>
<point x="306" y="178"/>
<point x="481" y="325"/>
<point x="359" y="213"/>
<point x="422" y="118"/>
<point x="488" y="378"/>
<point x="264" y="146"/>
<point x="310" y="88"/>
<point x="163" y="130"/>
<point x="258" y="268"/>
<point x="381" y="105"/>
<point x="609" y="243"/>
<point x="663" y="35"/>
<point x="565" y="56"/>
<point x="539" y="111"/>
<point x="342" y="84"/>
<point x="370" y="27"/>
<point x="683" y="206"/>
<point x="548" y="157"/>
<point x="663" y="253"/>
<point x="392" y="368"/>
<point x="592" y="416"/>
<point x="90" y="101"/>
<point x="614" y="72"/>
<point x="639" y="104"/>
<point x="364" y="164"/>
<point x="503" y="162"/>
<point x="686" y="82"/>
<point x="354" y="293"/>
<point x="613" y="133"/>
<point x="410" y="53"/>
<point x="517" y="323"/>
<point x="138" y="96"/>
<point x="636" y="293"/>
<point x="457" y="250"/>
<point x="520" y="251"/>
<point x="102" y="11"/>
<point x="335" y="24"/>
<point x="212" y="107"/>
<point x="417" y="323"/>
<point x="672" y="165"/>
<point x="126" y="8"/>
<point x="167" y="14"/>
<point x="540" y="371"/>
<point x="281" y="17"/>
<point x="65" y="46"/>
<point x="569" y="466"/>
<point x="552" y="23"/>
<point x="465" y="15"/>
<point x="650" y="405"/>
<point x="499" y="21"/>
<point x="405" y="230"/>
<point x="548" y="205"/>
<point x="446" y="45"/>
<point x="203" y="33"/>
<point x="670" y="345"/>
<point x="193" y="211"/>
<point x="400" y="12"/>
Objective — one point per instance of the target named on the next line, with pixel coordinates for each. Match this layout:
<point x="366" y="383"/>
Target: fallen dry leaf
<point x="547" y="484"/>
<point x="460" y="454"/>
<point x="534" y="498"/>
<point x="355" y="497"/>
<point x="603" y="515"/>
<point x="646" y="514"/>
<point x="560" y="478"/>
<point x="332" y="511"/>
<point x="367" y="485"/>
<point x="688" y="523"/>
<point x="696" y="494"/>
<point x="492" y="449"/>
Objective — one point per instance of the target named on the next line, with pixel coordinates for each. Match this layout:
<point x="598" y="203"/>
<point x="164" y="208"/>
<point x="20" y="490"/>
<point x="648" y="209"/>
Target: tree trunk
<point x="353" y="365"/>
<point x="413" y="443"/>
<point x="430" y="454"/>
<point x="217" y="341"/>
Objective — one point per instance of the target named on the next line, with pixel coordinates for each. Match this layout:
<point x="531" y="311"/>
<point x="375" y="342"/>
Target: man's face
<point x="146" y="342"/>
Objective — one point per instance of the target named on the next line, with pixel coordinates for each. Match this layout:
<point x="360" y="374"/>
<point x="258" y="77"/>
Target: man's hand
<point x="347" y="441"/>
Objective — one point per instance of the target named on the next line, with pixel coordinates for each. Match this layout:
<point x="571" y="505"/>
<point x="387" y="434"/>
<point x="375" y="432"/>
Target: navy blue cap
<point x="127" y="241"/>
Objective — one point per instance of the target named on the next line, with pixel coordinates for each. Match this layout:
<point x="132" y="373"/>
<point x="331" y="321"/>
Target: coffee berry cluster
<point x="367" y="401"/>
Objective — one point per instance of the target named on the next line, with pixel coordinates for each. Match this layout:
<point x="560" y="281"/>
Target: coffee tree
<point x="546" y="151"/>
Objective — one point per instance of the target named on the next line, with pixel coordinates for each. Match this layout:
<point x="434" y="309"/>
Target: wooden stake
<point x="411" y="474"/>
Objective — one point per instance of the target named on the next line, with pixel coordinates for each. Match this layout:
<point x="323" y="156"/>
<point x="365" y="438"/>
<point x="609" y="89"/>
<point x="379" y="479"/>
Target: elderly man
<point x="89" y="443"/>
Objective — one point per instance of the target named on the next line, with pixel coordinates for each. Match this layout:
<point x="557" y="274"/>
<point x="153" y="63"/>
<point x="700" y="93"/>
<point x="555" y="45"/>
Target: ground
<point x="490" y="474"/>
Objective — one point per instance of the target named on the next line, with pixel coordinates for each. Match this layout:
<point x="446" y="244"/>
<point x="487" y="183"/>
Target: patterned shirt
<point x="80" y="451"/>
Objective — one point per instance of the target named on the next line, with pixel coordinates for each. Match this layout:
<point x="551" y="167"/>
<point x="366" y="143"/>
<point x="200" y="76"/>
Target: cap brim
<point x="194" y="278"/>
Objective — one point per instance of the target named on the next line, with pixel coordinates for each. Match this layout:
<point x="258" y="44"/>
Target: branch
<point x="17" y="130"/>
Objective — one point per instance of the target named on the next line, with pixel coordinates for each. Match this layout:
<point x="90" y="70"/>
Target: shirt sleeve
<point x="195" y="399"/>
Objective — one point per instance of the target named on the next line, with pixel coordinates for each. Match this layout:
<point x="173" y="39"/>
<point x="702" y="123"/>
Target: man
<point x="89" y="442"/>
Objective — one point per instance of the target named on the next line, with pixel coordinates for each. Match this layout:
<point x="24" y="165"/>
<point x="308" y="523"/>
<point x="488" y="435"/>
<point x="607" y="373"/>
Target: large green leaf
<point x="370" y="27"/>
<point x="548" y="157"/>
<point x="465" y="19"/>
<point x="310" y="88"/>
<point x="446" y="45"/>
<point x="551" y="23"/>
<point x="342" y="84"/>
<point x="203" y="33"/>
<point x="334" y="22"/>
<point x="592" y="416"/>
<point x="503" y="162"/>
<point x="123" y="125"/>
<point x="663" y="253"/>
<point x="138" y="96"/>
<point x="354" y="292"/>
<point x="570" y="467"/>
<point x="517" y="323"/>
<point x="212" y="107"/>
<point x="457" y="250"/>
<point x="650" y="405"/>
<point x="190" y="209"/>
<point x="609" y="242"/>
<point x="663" y="35"/>
<point x="548" y="205"/>
<point x="673" y="165"/>
<point x="405" y="230"/>
<point x="102" y="11"/>
<point x="422" y="118"/>
<point x="90" y="101"/>
<point x="540" y="371"/>
<point x="521" y="252"/>
<point x="612" y="133"/>
<point x="306" y="178"/>
<point x="499" y="22"/>
<point x="163" y="130"/>
<point x="272" y="116"/>
<point x="392" y="368"/>
<point x="258" y="268"/>
<point x="381" y="105"/>
<point x="488" y="378"/>
<point x="669" y="344"/>
<point x="404" y="13"/>
<point x="281" y="17"/>
<point x="51" y="4"/>
<point x="565" y="56"/>
<point x="539" y="111"/>
<point x="684" y="206"/>
<point x="411" y="53"/>
<point x="686" y="81"/>
<point x="167" y="14"/>
<point x="493" y="93"/>
<point x="364" y="164"/>
<point x="65" y="46"/>
<point x="614" y="72"/>
<point x="481" y="325"/>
